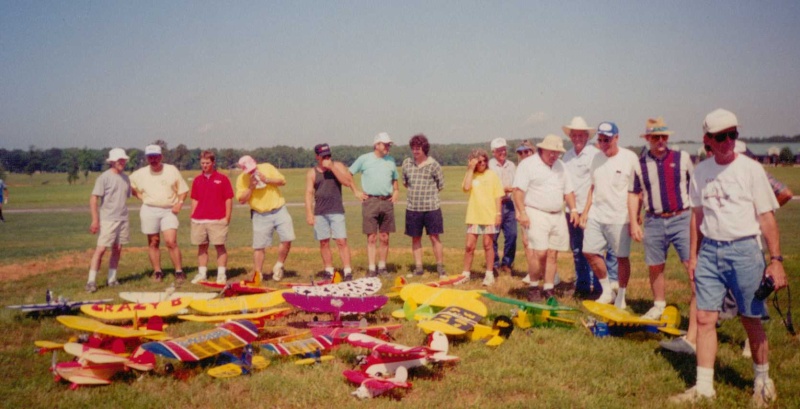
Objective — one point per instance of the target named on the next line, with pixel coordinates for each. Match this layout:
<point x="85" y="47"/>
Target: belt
<point x="547" y="211"/>
<point x="381" y="197"/>
<point x="666" y="215"/>
<point x="723" y="242"/>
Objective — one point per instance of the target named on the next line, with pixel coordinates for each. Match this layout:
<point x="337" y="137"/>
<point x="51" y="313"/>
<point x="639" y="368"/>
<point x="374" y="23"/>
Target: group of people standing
<point x="590" y="202"/>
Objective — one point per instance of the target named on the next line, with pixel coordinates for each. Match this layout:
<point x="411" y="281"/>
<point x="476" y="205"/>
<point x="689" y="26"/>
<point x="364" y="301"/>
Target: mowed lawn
<point x="49" y="248"/>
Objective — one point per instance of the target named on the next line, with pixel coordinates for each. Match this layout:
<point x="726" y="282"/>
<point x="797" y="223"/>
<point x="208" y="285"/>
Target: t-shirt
<point x="267" y="198"/>
<point x="113" y="189"/>
<point x="159" y="189"/>
<point x="612" y="179"/>
<point x="423" y="183"/>
<point x="482" y="204"/>
<point x="579" y="167"/>
<point x="732" y="196"/>
<point x="211" y="192"/>
<point x="544" y="186"/>
<point x="377" y="173"/>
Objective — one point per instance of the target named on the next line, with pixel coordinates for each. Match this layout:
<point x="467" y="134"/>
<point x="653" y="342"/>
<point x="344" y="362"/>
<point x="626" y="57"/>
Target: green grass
<point x="537" y="368"/>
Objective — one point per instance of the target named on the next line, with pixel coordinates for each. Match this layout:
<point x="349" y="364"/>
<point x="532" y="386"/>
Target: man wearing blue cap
<point x="606" y="215"/>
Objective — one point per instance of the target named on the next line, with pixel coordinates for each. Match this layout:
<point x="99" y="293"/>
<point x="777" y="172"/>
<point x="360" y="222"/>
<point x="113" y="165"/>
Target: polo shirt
<point x="579" y="168"/>
<point x="377" y="174"/>
<point x="505" y="172"/>
<point x="544" y="186"/>
<point x="159" y="189"/>
<point x="211" y="192"/>
<point x="664" y="182"/>
<point x="265" y="199"/>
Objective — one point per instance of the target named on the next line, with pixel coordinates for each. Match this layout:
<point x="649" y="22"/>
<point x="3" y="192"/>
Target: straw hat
<point x="552" y="143"/>
<point x="578" y="124"/>
<point x="655" y="127"/>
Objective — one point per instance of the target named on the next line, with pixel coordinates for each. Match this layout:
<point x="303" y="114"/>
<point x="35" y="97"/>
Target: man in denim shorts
<point x="258" y="185"/>
<point x="732" y="204"/>
<point x="325" y="209"/>
<point x="378" y="196"/>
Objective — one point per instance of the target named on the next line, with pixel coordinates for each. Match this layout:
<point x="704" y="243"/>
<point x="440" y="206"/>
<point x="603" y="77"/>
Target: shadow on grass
<point x="686" y="366"/>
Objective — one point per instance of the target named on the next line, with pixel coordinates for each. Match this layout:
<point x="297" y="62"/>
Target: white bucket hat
<point x="552" y="143"/>
<point x="382" y="137"/>
<point x="578" y="124"/>
<point x="116" y="154"/>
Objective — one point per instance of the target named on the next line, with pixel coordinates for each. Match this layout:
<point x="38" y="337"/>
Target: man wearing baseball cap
<point x="732" y="204"/>
<point x="162" y="190"/>
<point x="109" y="216"/>
<point x="378" y="196"/>
<point x="505" y="169"/>
<point x="605" y="217"/>
<point x="325" y="209"/>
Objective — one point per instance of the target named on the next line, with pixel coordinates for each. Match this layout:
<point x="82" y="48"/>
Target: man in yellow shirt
<point x="258" y="186"/>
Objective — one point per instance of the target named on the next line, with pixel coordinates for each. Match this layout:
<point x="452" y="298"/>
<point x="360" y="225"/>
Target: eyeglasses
<point x="658" y="137"/>
<point x="720" y="137"/>
<point x="526" y="152"/>
<point x="604" y="140"/>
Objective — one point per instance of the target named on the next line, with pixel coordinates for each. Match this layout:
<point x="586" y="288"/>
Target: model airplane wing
<point x="94" y="326"/>
<point x="226" y="337"/>
<point x="300" y="346"/>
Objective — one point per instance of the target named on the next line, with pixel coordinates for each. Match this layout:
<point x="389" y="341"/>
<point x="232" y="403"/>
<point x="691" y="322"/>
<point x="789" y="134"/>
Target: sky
<point x="248" y="74"/>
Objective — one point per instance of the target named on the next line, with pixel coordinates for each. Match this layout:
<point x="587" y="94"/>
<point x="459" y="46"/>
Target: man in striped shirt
<point x="662" y="185"/>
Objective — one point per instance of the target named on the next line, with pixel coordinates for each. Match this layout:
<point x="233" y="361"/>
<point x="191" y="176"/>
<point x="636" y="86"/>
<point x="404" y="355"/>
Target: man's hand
<point x="498" y="219"/>
<point x="327" y="163"/>
<point x="583" y="220"/>
<point x="574" y="218"/>
<point x="394" y="196"/>
<point x="310" y="219"/>
<point x="94" y="227"/>
<point x="176" y="208"/>
<point x="523" y="220"/>
<point x="692" y="267"/>
<point x="775" y="270"/>
<point x="636" y="232"/>
<point x="360" y="195"/>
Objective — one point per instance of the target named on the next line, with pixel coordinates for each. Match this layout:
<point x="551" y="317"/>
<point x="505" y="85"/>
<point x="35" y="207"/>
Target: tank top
<point x="327" y="193"/>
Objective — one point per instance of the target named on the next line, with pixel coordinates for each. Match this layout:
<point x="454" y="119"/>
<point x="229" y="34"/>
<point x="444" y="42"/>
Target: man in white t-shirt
<point x="732" y="204"/>
<point x="541" y="186"/>
<point x="605" y="218"/>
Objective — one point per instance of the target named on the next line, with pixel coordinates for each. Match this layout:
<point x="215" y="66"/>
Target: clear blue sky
<point x="247" y="74"/>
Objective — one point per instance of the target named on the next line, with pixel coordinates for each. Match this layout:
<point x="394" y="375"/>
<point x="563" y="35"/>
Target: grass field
<point x="50" y="249"/>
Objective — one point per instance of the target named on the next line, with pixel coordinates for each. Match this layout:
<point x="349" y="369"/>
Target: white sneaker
<point x="277" y="273"/>
<point x="764" y="393"/>
<point x="653" y="314"/>
<point x="526" y="279"/>
<point x="198" y="278"/>
<point x="691" y="396"/>
<point x="620" y="303"/>
<point x="221" y="278"/>
<point x="614" y="285"/>
<point x="466" y="274"/>
<point x="488" y="281"/>
<point x="607" y="297"/>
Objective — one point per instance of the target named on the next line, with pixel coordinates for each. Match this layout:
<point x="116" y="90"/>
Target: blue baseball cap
<point x="607" y="129"/>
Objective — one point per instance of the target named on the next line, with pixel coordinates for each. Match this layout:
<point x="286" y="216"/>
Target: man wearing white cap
<point x="732" y="204"/>
<point x="379" y="189"/>
<point x="541" y="186"/>
<point x="505" y="169"/>
<point x="162" y="191"/>
<point x="605" y="216"/>
<point x="259" y="186"/>
<point x="109" y="216"/>
<point x="578" y="161"/>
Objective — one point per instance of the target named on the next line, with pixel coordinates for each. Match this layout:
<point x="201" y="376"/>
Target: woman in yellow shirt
<point x="483" y="210"/>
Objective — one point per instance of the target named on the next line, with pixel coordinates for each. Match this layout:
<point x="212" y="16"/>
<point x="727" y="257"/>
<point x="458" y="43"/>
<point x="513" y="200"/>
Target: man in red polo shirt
<point x="212" y="202"/>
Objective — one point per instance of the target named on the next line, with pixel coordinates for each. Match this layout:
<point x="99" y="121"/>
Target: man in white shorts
<point x="109" y="216"/>
<point x="541" y="186"/>
<point x="605" y="218"/>
<point x="162" y="190"/>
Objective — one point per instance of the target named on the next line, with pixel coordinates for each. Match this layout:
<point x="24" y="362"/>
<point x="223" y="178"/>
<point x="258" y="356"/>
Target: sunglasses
<point x="720" y="137"/>
<point x="658" y="137"/>
<point x="604" y="140"/>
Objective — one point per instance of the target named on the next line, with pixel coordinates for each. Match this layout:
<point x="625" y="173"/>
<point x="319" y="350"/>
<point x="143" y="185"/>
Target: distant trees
<point x="786" y="155"/>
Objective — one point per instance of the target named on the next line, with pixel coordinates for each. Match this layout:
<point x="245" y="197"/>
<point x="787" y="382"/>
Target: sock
<point x="621" y="293"/>
<point x="548" y="286"/>
<point x="112" y="275"/>
<point x="382" y="264"/>
<point x="660" y="304"/>
<point x="466" y="273"/>
<point x="372" y="267"/>
<point x="606" y="284"/>
<point x="329" y="270"/>
<point x="92" y="276"/>
<point x="489" y="273"/>
<point x="202" y="270"/>
<point x="705" y="381"/>
<point x="762" y="371"/>
<point x="348" y="271"/>
<point x="278" y="264"/>
<point x="534" y="283"/>
<point x="220" y="271"/>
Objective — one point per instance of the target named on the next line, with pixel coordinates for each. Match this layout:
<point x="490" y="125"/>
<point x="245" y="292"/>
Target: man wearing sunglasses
<point x="732" y="204"/>
<point x="662" y="185"/>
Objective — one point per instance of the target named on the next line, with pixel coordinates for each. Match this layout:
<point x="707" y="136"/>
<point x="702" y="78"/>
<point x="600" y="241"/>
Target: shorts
<point x="214" y="233"/>
<point x="482" y="229"/>
<point x="432" y="221"/>
<point x="113" y="232"/>
<point x="736" y="265"/>
<point x="377" y="215"/>
<point x="265" y="224"/>
<point x="598" y="237"/>
<point x="548" y="231"/>
<point x="330" y="226"/>
<point x="660" y="232"/>
<point x="157" y="219"/>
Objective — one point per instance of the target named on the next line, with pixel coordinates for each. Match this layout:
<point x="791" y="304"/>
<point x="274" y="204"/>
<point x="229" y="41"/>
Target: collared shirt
<point x="424" y="182"/>
<point x="579" y="168"/>
<point x="159" y="189"/>
<point x="505" y="172"/>
<point x="377" y="174"/>
<point x="211" y="192"/>
<point x="267" y="198"/>
<point x="665" y="181"/>
<point x="544" y="186"/>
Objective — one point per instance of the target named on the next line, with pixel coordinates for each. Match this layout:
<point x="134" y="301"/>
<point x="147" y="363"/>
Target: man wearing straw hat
<point x="541" y="186"/>
<point x="662" y="185"/>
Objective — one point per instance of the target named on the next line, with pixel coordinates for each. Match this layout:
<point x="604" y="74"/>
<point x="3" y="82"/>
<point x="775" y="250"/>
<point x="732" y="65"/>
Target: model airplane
<point x="422" y="301"/>
<point x="372" y="386"/>
<point x="357" y="288"/>
<point x="260" y="319"/>
<point x="458" y="321"/>
<point x="241" y="303"/>
<point x="241" y="365"/>
<point x="194" y="347"/>
<point x="128" y="312"/>
<point x="621" y="322"/>
<point x="309" y="348"/>
<point x="95" y="366"/>
<point x="336" y="305"/>
<point x="531" y="314"/>
<point x="251" y="286"/>
<point x="55" y="305"/>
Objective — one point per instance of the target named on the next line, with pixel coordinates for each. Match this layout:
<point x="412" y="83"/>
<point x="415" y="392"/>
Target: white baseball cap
<point x="152" y="150"/>
<point x="498" y="143"/>
<point x="116" y="154"/>
<point x="382" y="137"/>
<point x="719" y="120"/>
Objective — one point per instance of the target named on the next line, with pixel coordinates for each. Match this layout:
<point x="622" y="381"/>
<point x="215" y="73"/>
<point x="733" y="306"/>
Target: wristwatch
<point x="776" y="258"/>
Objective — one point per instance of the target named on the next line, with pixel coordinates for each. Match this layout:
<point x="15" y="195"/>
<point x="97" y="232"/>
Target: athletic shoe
<point x="620" y="303"/>
<point x="679" y="345"/>
<point x="372" y="273"/>
<point x="505" y="269"/>
<point x="221" y="278"/>
<point x="277" y="273"/>
<point x="764" y="393"/>
<point x="419" y="272"/>
<point x="158" y="276"/>
<point x="535" y="294"/>
<point x="441" y="271"/>
<point x="113" y="283"/>
<point x="348" y="277"/>
<point x="90" y="287"/>
<point x="488" y="281"/>
<point x="382" y="271"/>
<point x="547" y="294"/>
<point x="653" y="314"/>
<point x="691" y="396"/>
<point x="614" y="285"/>
<point x="566" y="288"/>
<point x="467" y="274"/>
<point x="526" y="279"/>
<point x="180" y="277"/>
<point x="198" y="278"/>
<point x="606" y="298"/>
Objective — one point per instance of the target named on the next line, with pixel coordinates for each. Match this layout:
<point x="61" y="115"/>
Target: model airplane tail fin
<point x="438" y="342"/>
<point x="400" y="281"/>
<point x="337" y="277"/>
<point x="257" y="279"/>
<point x="400" y="375"/>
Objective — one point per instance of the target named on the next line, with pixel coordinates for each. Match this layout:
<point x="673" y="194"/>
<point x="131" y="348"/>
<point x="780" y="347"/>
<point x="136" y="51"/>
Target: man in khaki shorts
<point x="162" y="190"/>
<point x="109" y="216"/>
<point x="212" y="202"/>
